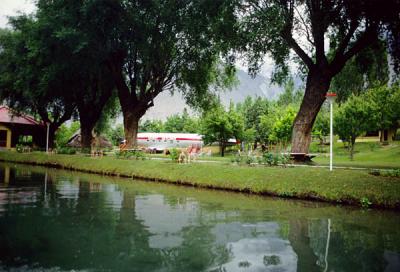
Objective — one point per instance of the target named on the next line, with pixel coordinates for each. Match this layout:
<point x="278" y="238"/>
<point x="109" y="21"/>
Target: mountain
<point x="166" y="105"/>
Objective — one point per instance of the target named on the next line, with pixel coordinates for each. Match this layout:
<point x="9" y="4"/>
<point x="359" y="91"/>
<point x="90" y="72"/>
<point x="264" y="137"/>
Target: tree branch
<point x="299" y="51"/>
<point x="340" y="59"/>
<point x="306" y="28"/>
<point x="345" y="42"/>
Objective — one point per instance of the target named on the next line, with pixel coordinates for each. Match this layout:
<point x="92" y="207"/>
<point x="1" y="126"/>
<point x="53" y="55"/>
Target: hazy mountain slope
<point x="166" y="105"/>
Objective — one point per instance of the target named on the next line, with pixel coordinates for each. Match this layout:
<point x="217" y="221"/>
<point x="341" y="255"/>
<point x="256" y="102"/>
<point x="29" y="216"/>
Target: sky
<point x="12" y="7"/>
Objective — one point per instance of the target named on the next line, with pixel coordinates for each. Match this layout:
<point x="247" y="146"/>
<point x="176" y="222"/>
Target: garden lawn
<point x="340" y="186"/>
<point x="368" y="155"/>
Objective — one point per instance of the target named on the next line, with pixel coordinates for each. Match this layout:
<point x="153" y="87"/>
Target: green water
<point x="52" y="220"/>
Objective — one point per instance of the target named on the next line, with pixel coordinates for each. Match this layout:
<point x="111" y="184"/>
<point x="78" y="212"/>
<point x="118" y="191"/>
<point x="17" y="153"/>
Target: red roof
<point x="6" y="116"/>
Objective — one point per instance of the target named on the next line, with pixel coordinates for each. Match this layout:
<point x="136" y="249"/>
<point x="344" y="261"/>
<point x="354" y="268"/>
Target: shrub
<point x="385" y="173"/>
<point x="373" y="146"/>
<point x="238" y="159"/>
<point x="250" y="160"/>
<point x="268" y="158"/>
<point x="285" y="159"/>
<point x="130" y="154"/>
<point x="66" y="150"/>
<point x="365" y="202"/>
<point x="174" y="154"/>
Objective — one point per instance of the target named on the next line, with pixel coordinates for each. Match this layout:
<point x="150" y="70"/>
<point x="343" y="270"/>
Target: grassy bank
<point x="339" y="186"/>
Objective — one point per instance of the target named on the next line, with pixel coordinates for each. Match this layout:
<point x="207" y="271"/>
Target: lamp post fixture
<point x="331" y="99"/>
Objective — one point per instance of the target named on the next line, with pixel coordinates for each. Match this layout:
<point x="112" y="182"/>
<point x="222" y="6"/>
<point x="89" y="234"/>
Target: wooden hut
<point x="101" y="141"/>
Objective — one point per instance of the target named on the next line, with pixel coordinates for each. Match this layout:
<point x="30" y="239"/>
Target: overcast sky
<point x="12" y="7"/>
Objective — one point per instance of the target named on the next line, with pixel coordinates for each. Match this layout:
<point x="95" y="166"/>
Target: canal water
<point x="53" y="220"/>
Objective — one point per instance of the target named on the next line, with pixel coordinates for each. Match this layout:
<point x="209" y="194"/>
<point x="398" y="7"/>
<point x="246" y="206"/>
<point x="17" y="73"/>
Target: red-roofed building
<point x="13" y="126"/>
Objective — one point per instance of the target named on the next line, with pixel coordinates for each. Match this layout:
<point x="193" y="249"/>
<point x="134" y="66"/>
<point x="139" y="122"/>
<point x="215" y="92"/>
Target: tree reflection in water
<point x="55" y="219"/>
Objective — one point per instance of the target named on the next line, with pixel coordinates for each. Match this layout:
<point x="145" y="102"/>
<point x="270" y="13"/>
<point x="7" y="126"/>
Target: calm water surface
<point x="52" y="220"/>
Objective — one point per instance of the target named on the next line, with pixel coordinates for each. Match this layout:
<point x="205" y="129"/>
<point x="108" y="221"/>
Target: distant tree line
<point x="254" y="121"/>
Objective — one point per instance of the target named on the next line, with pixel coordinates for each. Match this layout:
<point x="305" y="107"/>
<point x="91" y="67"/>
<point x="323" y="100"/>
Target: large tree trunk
<point x="90" y="107"/>
<point x="86" y="134"/>
<point x="131" y="127"/>
<point x="316" y="88"/>
<point x="52" y="134"/>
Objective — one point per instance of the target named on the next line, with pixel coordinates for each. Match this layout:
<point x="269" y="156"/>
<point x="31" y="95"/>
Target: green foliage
<point x="387" y="105"/>
<point x="116" y="134"/>
<point x="130" y="154"/>
<point x="367" y="70"/>
<point x="249" y="135"/>
<point x="365" y="202"/>
<point x="219" y="125"/>
<point x="109" y="114"/>
<point x="250" y="159"/>
<point x="28" y="71"/>
<point x="274" y="159"/>
<point x="339" y="187"/>
<point x="321" y="126"/>
<point x="354" y="118"/>
<point x="282" y="128"/>
<point x="151" y="126"/>
<point x="181" y="123"/>
<point x="177" y="123"/>
<point x="385" y="173"/>
<point x="66" y="150"/>
<point x="269" y="158"/>
<point x="64" y="133"/>
<point x="174" y="154"/>
<point x="289" y="95"/>
<point x="251" y="111"/>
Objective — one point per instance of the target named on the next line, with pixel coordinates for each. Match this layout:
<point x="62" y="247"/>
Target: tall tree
<point x="387" y="110"/>
<point x="162" y="45"/>
<point x="356" y="116"/>
<point x="26" y="72"/>
<point x="252" y="110"/>
<point x="219" y="125"/>
<point x="308" y="28"/>
<point x="78" y="31"/>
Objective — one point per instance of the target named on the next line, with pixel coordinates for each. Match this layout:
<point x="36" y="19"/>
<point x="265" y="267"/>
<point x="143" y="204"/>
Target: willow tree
<point x="74" y="34"/>
<point x="322" y="35"/>
<point x="163" y="46"/>
<point x="25" y="72"/>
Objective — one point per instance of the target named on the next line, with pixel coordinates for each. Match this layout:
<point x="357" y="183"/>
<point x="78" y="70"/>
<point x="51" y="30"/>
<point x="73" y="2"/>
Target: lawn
<point x="340" y="186"/>
<point x="368" y="154"/>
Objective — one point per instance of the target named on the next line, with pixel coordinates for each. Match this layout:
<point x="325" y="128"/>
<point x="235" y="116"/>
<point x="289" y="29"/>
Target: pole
<point x="331" y="137"/>
<point x="47" y="138"/>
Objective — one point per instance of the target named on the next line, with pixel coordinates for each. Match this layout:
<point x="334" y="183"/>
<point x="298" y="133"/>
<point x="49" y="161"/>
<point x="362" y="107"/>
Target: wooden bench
<point x="302" y="157"/>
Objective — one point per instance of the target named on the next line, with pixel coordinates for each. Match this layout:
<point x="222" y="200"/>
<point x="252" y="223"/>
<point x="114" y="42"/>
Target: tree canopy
<point x="320" y="35"/>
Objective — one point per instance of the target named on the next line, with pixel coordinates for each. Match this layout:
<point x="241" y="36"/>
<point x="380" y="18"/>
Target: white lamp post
<point x="47" y="137"/>
<point x="331" y="99"/>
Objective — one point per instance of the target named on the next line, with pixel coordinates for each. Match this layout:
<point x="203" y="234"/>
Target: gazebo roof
<point x="7" y="116"/>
